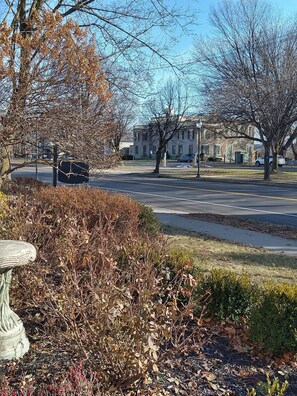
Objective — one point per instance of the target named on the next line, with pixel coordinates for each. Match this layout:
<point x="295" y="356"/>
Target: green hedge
<point x="270" y="310"/>
<point x="273" y="318"/>
<point x="230" y="294"/>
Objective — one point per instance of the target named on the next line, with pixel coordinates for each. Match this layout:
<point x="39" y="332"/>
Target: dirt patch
<point x="287" y="232"/>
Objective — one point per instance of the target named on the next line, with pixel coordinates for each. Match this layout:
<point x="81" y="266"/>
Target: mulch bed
<point x="219" y="369"/>
<point x="221" y="365"/>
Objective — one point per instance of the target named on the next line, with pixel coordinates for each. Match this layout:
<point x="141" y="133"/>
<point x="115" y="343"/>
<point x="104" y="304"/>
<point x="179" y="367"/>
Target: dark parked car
<point x="126" y="156"/>
<point x="186" y="158"/>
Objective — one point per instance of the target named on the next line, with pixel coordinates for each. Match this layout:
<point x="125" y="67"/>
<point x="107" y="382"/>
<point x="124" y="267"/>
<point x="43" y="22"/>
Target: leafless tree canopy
<point x="52" y="88"/>
<point x="165" y="116"/>
<point x="52" y="80"/>
<point x="123" y="115"/>
<point x="127" y="32"/>
<point x="250" y="70"/>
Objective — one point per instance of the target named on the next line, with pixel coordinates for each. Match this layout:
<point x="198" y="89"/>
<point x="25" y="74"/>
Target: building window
<point x="144" y="136"/>
<point x="189" y="134"/>
<point x="180" y="149"/>
<point x="136" y="150"/>
<point x="154" y="149"/>
<point x="173" y="150"/>
<point x="183" y="135"/>
<point x="207" y="135"/>
<point x="190" y="149"/>
<point x="193" y="134"/>
<point x="178" y="136"/>
<point x="229" y="152"/>
<point x="217" y="150"/>
<point x="205" y="149"/>
<point x="144" y="151"/>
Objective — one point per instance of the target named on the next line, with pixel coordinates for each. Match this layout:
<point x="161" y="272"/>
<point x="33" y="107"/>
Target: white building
<point x="213" y="144"/>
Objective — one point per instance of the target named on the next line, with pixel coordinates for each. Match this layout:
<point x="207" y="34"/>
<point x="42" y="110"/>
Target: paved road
<point x="276" y="205"/>
<point x="263" y="203"/>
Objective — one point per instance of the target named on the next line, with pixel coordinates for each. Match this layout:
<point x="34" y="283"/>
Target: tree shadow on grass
<point x="254" y="257"/>
<point x="263" y="259"/>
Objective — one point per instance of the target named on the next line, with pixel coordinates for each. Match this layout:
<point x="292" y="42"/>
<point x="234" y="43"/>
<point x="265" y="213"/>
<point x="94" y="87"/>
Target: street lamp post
<point x="37" y="154"/>
<point x="198" y="126"/>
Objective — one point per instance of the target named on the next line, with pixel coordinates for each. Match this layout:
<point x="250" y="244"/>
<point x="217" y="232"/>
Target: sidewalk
<point x="271" y="243"/>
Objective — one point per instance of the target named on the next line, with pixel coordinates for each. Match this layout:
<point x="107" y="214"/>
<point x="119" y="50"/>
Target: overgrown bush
<point x="71" y="222"/>
<point x="273" y="318"/>
<point x="99" y="285"/>
<point x="230" y="294"/>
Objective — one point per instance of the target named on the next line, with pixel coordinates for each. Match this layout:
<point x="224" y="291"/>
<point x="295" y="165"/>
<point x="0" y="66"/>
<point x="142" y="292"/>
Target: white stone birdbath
<point x="13" y="340"/>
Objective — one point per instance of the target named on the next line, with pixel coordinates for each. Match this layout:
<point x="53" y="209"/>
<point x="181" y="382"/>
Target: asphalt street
<point x="274" y="204"/>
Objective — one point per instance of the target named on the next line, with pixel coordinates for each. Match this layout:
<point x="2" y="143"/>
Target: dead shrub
<point x="21" y="185"/>
<point x="100" y="285"/>
<point x="72" y="222"/>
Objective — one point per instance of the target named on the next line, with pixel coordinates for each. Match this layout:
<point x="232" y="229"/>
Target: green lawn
<point x="211" y="253"/>
<point x="289" y="174"/>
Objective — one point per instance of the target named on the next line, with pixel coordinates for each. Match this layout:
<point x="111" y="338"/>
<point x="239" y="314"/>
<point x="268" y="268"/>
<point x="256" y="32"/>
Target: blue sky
<point x="288" y="7"/>
<point x="182" y="52"/>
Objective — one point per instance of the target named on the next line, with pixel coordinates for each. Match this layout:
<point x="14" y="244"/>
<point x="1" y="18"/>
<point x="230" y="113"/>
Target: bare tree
<point x="46" y="77"/>
<point x="294" y="149"/>
<point x="291" y="141"/>
<point x="53" y="88"/>
<point x="125" y="31"/>
<point x="165" y="116"/>
<point x="123" y="113"/>
<point x="250" y="72"/>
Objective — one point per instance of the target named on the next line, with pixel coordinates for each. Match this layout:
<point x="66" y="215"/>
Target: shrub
<point x="273" y="318"/>
<point x="230" y="294"/>
<point x="180" y="260"/>
<point x="99" y="285"/>
<point x="70" y="222"/>
<point x="148" y="220"/>
<point x="270" y="388"/>
<point x="4" y="216"/>
<point x="22" y="185"/>
<point x="271" y="310"/>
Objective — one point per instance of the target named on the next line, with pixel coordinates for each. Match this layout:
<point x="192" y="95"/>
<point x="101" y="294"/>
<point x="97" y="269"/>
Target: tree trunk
<point x="294" y="151"/>
<point x="266" y="162"/>
<point x="158" y="160"/>
<point x="275" y="162"/>
<point x="5" y="164"/>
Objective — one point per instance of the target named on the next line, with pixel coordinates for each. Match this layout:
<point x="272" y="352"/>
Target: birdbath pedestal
<point x="13" y="340"/>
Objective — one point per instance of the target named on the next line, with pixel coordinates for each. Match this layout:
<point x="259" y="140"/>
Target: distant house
<point x="213" y="144"/>
<point x="126" y="145"/>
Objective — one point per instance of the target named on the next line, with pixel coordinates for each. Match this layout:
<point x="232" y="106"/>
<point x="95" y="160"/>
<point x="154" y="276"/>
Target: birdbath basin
<point x="13" y="340"/>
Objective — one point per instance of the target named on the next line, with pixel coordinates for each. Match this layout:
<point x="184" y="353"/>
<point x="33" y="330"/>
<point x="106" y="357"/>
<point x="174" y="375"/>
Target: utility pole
<point x="55" y="166"/>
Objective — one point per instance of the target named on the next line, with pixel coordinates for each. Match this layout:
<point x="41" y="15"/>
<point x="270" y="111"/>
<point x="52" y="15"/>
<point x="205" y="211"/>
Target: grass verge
<point x="289" y="175"/>
<point x="209" y="253"/>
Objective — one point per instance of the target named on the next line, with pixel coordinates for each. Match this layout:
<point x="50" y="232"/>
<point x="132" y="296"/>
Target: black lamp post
<point x="198" y="126"/>
<point x="55" y="165"/>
